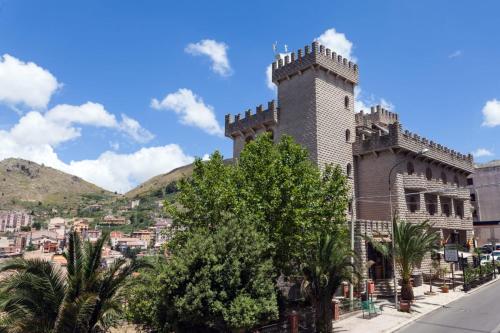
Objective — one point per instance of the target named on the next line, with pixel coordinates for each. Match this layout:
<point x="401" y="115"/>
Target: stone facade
<point x="316" y="107"/>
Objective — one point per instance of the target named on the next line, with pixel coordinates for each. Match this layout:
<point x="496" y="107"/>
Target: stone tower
<point x="315" y="107"/>
<point x="316" y="103"/>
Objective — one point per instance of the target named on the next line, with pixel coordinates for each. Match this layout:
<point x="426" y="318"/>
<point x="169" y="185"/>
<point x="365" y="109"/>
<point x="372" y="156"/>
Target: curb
<point x="420" y="315"/>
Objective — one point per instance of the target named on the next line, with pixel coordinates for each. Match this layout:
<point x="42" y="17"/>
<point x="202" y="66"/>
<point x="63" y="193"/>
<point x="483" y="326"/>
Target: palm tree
<point x="30" y="298"/>
<point x="87" y="298"/>
<point x="412" y="241"/>
<point x="329" y="265"/>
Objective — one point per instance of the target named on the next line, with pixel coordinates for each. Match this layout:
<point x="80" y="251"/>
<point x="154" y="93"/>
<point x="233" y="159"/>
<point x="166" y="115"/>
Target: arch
<point x="410" y="168"/>
<point x="347" y="135"/>
<point x="346" y="102"/>
<point x="428" y="173"/>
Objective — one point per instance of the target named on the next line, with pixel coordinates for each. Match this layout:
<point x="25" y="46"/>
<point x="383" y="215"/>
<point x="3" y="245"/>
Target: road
<point x="477" y="312"/>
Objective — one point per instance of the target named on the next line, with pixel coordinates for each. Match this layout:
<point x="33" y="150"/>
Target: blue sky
<point x="436" y="63"/>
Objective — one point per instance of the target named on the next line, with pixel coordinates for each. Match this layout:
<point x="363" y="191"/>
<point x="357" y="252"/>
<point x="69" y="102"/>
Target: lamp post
<point x="393" y="247"/>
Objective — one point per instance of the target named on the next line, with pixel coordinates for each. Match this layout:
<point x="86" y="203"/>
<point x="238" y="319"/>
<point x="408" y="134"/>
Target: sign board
<point x="451" y="253"/>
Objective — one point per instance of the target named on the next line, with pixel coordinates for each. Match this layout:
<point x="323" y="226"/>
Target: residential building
<point x="114" y="220"/>
<point x="485" y="197"/>
<point x="12" y="221"/>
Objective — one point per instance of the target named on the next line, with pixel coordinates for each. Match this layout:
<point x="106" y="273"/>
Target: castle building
<point x="386" y="165"/>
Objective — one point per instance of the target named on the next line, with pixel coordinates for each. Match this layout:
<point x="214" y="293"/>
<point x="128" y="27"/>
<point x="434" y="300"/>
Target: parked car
<point x="496" y="255"/>
<point x="486" y="258"/>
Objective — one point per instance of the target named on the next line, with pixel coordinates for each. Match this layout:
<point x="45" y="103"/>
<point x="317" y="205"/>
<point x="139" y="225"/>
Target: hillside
<point x="159" y="183"/>
<point x="24" y="183"/>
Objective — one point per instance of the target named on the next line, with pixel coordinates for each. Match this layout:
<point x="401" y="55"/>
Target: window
<point x="349" y="169"/>
<point x="350" y="207"/>
<point x="428" y="173"/>
<point x="347" y="135"/>
<point x="470" y="181"/>
<point x="446" y="206"/>
<point x="410" y="168"/>
<point x="431" y="203"/>
<point x="443" y="178"/>
<point x="455" y="180"/>
<point x="459" y="208"/>
<point x="346" y="102"/>
<point x="473" y="197"/>
<point x="412" y="201"/>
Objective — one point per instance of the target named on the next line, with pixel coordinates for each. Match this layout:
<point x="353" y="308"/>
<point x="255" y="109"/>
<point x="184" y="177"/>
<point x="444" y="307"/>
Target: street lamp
<point x="421" y="152"/>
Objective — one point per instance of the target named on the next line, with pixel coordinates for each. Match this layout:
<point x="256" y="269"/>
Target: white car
<point x="486" y="258"/>
<point x="496" y="255"/>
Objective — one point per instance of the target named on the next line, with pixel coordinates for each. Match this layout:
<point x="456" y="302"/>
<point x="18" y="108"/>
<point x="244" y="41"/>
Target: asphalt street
<point x="476" y="312"/>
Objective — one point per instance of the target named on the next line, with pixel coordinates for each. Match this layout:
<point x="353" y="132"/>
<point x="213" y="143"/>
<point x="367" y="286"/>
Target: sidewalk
<point x="390" y="319"/>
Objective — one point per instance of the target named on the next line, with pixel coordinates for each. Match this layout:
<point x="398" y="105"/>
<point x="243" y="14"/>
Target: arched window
<point x="349" y="169"/>
<point x="346" y="102"/>
<point x="444" y="178"/>
<point x="347" y="135"/>
<point x="455" y="180"/>
<point x="410" y="168"/>
<point x="428" y="173"/>
<point x="350" y="207"/>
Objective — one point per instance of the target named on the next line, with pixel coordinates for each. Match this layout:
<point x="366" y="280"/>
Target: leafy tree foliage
<point x="38" y="297"/>
<point x="328" y="266"/>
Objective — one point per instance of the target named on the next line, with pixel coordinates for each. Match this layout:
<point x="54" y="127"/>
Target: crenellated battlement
<point x="310" y="57"/>
<point x="251" y="122"/>
<point x="377" y="115"/>
<point x="399" y="138"/>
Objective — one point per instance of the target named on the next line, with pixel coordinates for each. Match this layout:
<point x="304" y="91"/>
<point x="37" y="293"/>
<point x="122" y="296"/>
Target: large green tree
<point x="218" y="281"/>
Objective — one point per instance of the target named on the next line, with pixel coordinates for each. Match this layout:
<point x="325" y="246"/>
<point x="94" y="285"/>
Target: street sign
<point x="451" y="253"/>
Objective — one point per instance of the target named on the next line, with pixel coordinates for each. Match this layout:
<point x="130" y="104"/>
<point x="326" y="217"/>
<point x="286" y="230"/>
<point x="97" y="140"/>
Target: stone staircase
<point x="384" y="287"/>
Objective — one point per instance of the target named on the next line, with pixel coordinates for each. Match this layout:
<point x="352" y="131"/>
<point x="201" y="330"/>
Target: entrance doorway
<point x="379" y="267"/>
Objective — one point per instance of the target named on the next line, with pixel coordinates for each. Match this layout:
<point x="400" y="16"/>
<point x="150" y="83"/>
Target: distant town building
<point x="162" y="230"/>
<point x="145" y="235"/>
<point x="485" y="198"/>
<point x="114" y="220"/>
<point x="12" y="221"/>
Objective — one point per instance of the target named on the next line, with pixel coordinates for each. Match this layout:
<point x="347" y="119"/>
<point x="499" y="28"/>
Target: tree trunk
<point x="324" y="315"/>
<point x="406" y="290"/>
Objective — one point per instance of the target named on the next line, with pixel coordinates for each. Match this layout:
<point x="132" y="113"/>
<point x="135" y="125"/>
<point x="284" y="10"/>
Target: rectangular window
<point x="470" y="181"/>
<point x="446" y="206"/>
<point x="412" y="201"/>
<point x="459" y="208"/>
<point x="431" y="203"/>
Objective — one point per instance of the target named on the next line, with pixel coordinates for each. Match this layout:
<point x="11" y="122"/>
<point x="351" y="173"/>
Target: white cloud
<point x="337" y="42"/>
<point x="90" y="113"/>
<point x="364" y="102"/>
<point x="135" y="130"/>
<point x="108" y="169"/>
<point x="216" y="51"/>
<point x="482" y="152"/>
<point x="25" y="83"/>
<point x="191" y="109"/>
<point x="455" y="54"/>
<point x="491" y="113"/>
<point x="112" y="171"/>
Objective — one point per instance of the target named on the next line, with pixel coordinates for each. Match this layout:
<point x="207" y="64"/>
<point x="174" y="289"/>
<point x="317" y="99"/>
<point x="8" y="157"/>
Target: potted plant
<point x="404" y="305"/>
<point x="444" y="288"/>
